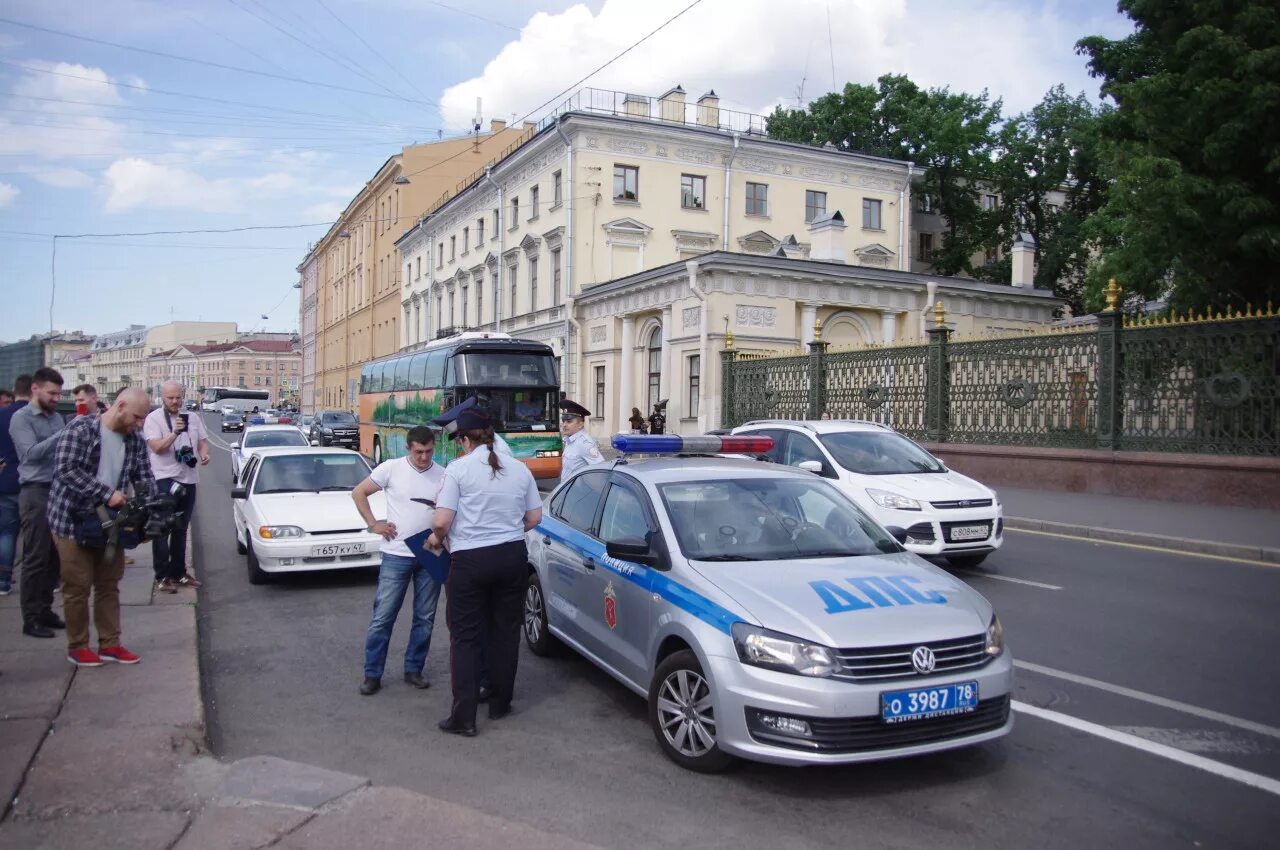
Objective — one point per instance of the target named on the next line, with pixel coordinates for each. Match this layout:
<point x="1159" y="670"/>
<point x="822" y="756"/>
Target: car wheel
<point x="256" y="574"/>
<point x="966" y="562"/>
<point x="377" y="451"/>
<point x="536" y="634"/>
<point x="682" y="713"/>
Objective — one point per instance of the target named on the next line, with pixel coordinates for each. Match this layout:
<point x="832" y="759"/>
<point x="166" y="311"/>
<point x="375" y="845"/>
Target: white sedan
<point x="293" y="512"/>
<point x="258" y="437"/>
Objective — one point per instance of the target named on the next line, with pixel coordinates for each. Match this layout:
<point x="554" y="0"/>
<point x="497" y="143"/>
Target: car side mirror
<point x="239" y="493"/>
<point x="897" y="532"/>
<point x="814" y="466"/>
<point x="634" y="551"/>
<point x="236" y="444"/>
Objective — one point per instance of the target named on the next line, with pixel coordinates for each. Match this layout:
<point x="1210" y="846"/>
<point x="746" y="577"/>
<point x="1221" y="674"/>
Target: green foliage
<point x="1194" y="144"/>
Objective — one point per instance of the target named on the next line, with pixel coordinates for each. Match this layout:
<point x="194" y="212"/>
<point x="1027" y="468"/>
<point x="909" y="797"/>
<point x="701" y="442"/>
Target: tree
<point x="1193" y="212"/>
<point x="951" y="134"/>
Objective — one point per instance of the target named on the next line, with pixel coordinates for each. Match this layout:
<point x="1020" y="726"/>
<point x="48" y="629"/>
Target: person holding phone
<point x="178" y="444"/>
<point x="86" y="396"/>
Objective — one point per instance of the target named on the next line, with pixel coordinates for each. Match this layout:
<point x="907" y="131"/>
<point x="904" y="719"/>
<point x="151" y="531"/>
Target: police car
<point x="760" y="611"/>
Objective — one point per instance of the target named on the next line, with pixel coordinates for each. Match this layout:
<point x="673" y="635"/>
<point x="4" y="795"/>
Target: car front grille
<point x="866" y="734"/>
<point x="962" y="503"/>
<point x="883" y="663"/>
<point x="330" y="559"/>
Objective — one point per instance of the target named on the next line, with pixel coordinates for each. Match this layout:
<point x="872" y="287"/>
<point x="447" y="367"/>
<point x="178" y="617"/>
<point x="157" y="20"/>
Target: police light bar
<point x="674" y="444"/>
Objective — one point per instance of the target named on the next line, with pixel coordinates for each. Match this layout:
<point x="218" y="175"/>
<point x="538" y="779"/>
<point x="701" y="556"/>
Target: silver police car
<point x="761" y="613"/>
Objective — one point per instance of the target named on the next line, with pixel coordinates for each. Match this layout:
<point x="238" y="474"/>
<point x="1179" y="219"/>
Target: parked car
<point x="336" y="428"/>
<point x="258" y="437"/>
<point x="896" y="481"/>
<point x="232" y="422"/>
<point x="293" y="511"/>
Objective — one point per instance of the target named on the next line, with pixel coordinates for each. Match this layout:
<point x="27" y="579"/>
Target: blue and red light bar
<point x="674" y="444"/>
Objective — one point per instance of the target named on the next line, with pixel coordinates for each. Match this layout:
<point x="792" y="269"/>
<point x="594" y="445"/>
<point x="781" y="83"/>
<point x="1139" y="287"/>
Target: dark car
<point x="336" y="428"/>
<point x="232" y="422"/>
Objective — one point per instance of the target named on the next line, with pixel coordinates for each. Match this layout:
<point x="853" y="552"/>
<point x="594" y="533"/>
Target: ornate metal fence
<point x="1189" y="384"/>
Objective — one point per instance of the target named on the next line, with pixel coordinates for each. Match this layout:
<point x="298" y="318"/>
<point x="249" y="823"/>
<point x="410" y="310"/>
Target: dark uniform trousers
<point x="486" y="600"/>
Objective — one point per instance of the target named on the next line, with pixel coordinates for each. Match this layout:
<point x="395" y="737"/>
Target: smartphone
<point x="82" y="409"/>
<point x="186" y="420"/>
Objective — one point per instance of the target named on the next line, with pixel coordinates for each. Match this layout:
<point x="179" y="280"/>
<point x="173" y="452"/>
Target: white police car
<point x="761" y="612"/>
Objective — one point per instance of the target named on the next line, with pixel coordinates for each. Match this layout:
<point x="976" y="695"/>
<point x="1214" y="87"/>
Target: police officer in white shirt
<point x="448" y="421"/>
<point x="486" y="504"/>
<point x="409" y="483"/>
<point x="580" y="450"/>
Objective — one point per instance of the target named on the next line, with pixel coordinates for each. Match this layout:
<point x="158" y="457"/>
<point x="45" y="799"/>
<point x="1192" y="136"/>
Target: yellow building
<point x="351" y="277"/>
<point x="120" y="358"/>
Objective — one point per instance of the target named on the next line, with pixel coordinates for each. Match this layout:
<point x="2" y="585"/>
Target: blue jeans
<point x="393" y="582"/>
<point x="8" y="536"/>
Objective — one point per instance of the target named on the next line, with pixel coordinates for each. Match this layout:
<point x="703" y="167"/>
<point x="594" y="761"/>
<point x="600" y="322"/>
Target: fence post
<point x="817" y="374"/>
<point x="937" y="412"/>
<point x="1110" y="405"/>
<point x="727" y="357"/>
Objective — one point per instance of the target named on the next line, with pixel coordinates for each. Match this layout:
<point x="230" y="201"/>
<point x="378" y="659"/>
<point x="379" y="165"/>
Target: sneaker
<point x="166" y="585"/>
<point x="188" y="580"/>
<point x="5" y="588"/>
<point x="118" y="654"/>
<point x="84" y="657"/>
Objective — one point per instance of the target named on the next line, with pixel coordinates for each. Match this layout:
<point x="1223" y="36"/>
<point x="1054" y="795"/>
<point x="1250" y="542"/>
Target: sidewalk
<point x="116" y="757"/>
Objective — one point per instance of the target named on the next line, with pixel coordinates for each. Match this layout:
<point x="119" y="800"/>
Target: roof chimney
<point x="497" y="126"/>
<point x="1024" y="261"/>
<point x="709" y="109"/>
<point x="671" y="105"/>
<point x="825" y="235"/>
<point x="636" y="105"/>
<point x="530" y="125"/>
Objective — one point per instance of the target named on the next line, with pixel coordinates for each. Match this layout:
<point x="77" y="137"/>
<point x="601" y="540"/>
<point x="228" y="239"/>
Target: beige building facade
<point x="120" y="359"/>
<point x="271" y="365"/>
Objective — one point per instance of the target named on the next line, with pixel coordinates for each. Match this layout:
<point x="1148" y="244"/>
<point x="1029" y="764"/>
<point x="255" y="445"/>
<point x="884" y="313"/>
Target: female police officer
<point x="486" y="504"/>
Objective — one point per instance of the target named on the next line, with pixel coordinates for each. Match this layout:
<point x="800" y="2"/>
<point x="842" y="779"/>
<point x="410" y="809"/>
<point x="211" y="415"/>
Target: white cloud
<point x="135" y="182"/>
<point x="7" y="193"/>
<point x="61" y="114"/>
<point x="325" y="211"/>
<point x="58" y="177"/>
<point x="755" y="55"/>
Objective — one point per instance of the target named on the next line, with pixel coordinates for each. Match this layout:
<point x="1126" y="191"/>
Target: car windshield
<point x="310" y="473"/>
<point x="232" y="417"/>
<point x="264" y="439"/>
<point x="769" y="519"/>
<point x="879" y="453"/>
<point x="342" y="418"/>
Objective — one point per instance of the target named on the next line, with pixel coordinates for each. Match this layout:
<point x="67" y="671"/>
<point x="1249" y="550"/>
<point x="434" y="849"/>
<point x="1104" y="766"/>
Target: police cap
<point x="473" y="418"/>
<point x="451" y="414"/>
<point x="572" y="408"/>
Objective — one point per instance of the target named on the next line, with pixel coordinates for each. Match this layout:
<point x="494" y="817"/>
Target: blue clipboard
<point x="437" y="566"/>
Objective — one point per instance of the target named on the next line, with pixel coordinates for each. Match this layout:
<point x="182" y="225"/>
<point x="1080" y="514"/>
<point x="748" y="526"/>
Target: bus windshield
<point x="518" y="410"/>
<point x="508" y="369"/>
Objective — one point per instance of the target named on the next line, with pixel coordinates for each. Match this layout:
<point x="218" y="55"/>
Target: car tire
<point x="679" y="682"/>
<point x="966" y="562"/>
<point x="256" y="574"/>
<point x="536" y="634"/>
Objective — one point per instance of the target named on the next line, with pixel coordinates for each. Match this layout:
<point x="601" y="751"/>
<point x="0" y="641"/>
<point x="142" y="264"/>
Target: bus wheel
<point x="377" y="451"/>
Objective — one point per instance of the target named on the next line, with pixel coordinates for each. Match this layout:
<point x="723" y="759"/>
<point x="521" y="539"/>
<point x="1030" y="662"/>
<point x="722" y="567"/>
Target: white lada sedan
<point x="761" y="612"/>
<point x="293" y="512"/>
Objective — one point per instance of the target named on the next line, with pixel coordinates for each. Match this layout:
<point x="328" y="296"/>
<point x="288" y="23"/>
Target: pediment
<point x="874" y="250"/>
<point x="530" y="243"/>
<point x="490" y="259"/>
<point x="629" y="226"/>
<point x="759" y="242"/>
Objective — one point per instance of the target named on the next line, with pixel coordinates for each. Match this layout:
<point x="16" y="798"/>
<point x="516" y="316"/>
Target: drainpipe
<point x="569" y="378"/>
<point x="692" y="267"/>
<point x="728" y="179"/>
<point x="502" y="241"/>
<point x="904" y="244"/>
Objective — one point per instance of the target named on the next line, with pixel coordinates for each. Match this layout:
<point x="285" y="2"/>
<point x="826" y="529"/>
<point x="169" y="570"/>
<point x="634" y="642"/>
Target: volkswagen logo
<point x="922" y="659"/>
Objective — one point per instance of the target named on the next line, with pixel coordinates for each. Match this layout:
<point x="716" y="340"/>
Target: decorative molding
<point x="628" y="146"/>
<point x="698" y="155"/>
<point x="758" y="242"/>
<point x="753" y="316"/>
<point x="597" y="333"/>
<point x="530" y="244"/>
<point x="627" y="231"/>
<point x="694" y="241"/>
<point x="554" y="237"/>
<point x="691" y="317"/>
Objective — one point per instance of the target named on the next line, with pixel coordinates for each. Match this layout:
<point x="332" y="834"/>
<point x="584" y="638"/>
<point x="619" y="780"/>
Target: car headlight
<point x="275" y="532"/>
<point x="885" y="499"/>
<point x="995" y="637"/>
<point x="763" y="648"/>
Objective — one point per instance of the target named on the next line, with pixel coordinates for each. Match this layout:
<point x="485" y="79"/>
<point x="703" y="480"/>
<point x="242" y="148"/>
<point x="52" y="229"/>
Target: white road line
<point x="981" y="574"/>
<point x="1165" y="702"/>
<point x="1144" y="547"/>
<point x="1226" y="771"/>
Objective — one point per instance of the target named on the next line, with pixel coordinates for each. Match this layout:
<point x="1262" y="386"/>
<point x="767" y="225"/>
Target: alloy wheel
<point x="686" y="713"/>
<point x="533" y="614"/>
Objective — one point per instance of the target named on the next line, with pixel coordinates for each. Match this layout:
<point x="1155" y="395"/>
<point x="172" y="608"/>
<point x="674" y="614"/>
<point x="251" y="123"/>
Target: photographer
<point x="177" y="443"/>
<point x="97" y="458"/>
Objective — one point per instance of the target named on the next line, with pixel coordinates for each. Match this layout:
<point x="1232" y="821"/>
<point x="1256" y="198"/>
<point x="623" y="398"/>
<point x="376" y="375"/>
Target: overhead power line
<point x="371" y="48"/>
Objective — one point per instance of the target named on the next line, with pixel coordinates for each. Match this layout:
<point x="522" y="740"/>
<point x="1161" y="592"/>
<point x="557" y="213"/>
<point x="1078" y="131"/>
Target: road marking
<point x="981" y="574"/>
<point x="1164" y="702"/>
<point x="1226" y="771"/>
<point x="1147" y="548"/>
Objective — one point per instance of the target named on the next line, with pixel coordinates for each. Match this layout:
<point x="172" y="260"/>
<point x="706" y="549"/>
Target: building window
<point x="497" y="223"/>
<point x="439" y="312"/>
<point x="497" y="297"/>
<point x="257" y="380"/>
<point x="924" y="203"/>
<point x="511" y="279"/>
<point x="626" y="183"/>
<point x="480" y="302"/>
<point x="515" y="213"/>
<point x="695" y="384"/>
<point x="464" y="306"/>
<point x="815" y="205"/>
<point x="466" y="239"/>
<point x="533" y="203"/>
<point x="556" y="197"/>
<point x="440" y="255"/>
<point x="453" y="248"/>
<point x="268" y="380"/>
<point x="599" y="391"/>
<point x="693" y="192"/>
<point x="871" y="214"/>
<point x="533" y="284"/>
<point x="990" y="202"/>
<point x="418" y="268"/>
<point x="655" y="367"/>
<point x="555" y="278"/>
<point x="241" y="364"/>
<point x="452" y="304"/>
<point x="926" y="246"/>
<point x="757" y="199"/>
<point x="480" y="233"/>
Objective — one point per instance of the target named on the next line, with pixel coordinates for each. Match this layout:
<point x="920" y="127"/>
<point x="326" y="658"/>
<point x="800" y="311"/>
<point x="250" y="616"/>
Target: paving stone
<point x="135" y="585"/>
<point x="271" y="780"/>
<point x="228" y="826"/>
<point x="34" y="679"/>
<point x="19" y="740"/>
<point x="394" y="817"/>
<point x="109" y="831"/>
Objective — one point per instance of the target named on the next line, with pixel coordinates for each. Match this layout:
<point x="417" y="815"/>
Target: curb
<point x="1160" y="541"/>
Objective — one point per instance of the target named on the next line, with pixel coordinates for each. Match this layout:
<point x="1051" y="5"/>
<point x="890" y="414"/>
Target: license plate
<point x="919" y="703"/>
<point x="338" y="549"/>
<point x="969" y="532"/>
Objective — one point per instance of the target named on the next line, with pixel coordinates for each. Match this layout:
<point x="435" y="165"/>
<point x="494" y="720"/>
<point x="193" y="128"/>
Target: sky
<point x="231" y="114"/>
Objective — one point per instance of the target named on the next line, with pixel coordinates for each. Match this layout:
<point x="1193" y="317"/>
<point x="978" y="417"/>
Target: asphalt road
<point x="1148" y="719"/>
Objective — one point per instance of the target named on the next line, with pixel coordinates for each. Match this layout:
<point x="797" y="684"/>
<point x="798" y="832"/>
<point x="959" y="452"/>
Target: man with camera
<point x="178" y="443"/>
<point x="97" y="459"/>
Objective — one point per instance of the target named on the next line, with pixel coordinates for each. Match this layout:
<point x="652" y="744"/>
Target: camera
<point x="149" y="516"/>
<point x="185" y="454"/>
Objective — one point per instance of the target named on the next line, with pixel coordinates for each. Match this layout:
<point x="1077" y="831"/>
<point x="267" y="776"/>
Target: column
<point x="626" y="373"/>
<point x="664" y="381"/>
<point x="808" y="318"/>
<point x="888" y="327"/>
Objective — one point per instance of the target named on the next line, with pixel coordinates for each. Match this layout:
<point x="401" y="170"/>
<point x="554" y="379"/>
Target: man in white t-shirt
<point x="178" y="445"/>
<point x="408" y="482"/>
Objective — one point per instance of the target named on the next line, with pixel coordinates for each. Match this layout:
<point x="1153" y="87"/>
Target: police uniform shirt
<point x="501" y="447"/>
<point x="580" y="451"/>
<point x="401" y="482"/>
<point x="490" y="508"/>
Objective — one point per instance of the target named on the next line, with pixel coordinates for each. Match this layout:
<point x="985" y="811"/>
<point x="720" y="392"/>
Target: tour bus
<point x="514" y="379"/>
<point x="242" y="399"/>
